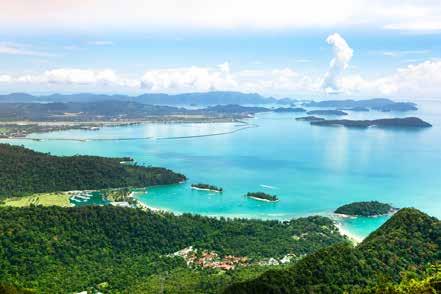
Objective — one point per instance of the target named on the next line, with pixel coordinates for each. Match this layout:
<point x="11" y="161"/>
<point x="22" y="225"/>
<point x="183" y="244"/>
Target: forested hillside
<point x="53" y="249"/>
<point x="23" y="171"/>
<point x="409" y="241"/>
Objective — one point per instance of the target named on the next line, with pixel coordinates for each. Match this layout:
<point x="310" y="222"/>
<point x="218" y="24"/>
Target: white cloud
<point x="420" y="26"/>
<point x="73" y="76"/>
<point x="80" y="76"/>
<point x="5" y="78"/>
<point x="101" y="43"/>
<point x="142" y="15"/>
<point x="401" y="53"/>
<point x="16" y="49"/>
<point x="189" y="79"/>
<point x="342" y="56"/>
<point x="415" y="81"/>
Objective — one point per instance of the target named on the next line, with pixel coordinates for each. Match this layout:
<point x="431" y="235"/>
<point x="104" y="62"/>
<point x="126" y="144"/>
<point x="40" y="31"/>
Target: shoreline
<point x="342" y="215"/>
<point x="202" y="189"/>
<point x="244" y="126"/>
<point x="345" y="232"/>
<point x="264" y="200"/>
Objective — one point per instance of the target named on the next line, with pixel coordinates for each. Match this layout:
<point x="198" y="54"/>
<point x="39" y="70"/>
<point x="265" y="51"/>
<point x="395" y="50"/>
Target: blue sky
<point x="394" y="50"/>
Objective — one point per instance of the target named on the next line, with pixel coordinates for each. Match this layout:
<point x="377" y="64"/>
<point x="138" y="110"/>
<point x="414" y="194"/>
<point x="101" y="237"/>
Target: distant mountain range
<point x="211" y="99"/>
<point x="207" y="98"/>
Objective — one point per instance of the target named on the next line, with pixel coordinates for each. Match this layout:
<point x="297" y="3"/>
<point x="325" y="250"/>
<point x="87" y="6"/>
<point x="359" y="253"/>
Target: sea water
<point x="312" y="169"/>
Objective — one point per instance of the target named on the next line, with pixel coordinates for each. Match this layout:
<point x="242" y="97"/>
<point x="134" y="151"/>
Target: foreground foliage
<point x="409" y="241"/>
<point x="54" y="249"/>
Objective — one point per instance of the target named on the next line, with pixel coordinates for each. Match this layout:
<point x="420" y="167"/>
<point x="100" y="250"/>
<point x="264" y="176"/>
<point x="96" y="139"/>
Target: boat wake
<point x="268" y="187"/>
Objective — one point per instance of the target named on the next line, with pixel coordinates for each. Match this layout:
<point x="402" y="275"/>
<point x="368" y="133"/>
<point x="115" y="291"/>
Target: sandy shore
<point x="355" y="239"/>
<point x="144" y="206"/>
<point x="209" y="190"/>
<point x="264" y="200"/>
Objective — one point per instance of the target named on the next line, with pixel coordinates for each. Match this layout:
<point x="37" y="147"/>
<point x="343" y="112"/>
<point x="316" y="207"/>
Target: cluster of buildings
<point x="210" y="259"/>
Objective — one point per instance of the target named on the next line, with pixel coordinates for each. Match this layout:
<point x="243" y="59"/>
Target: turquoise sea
<point x="312" y="169"/>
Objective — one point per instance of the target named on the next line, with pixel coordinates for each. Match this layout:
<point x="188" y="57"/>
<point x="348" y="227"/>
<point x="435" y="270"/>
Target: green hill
<point x="54" y="249"/>
<point x="409" y="241"/>
<point x="23" y="171"/>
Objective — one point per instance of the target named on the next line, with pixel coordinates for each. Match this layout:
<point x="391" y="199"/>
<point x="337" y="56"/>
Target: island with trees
<point x="206" y="187"/>
<point x="366" y="208"/>
<point x="261" y="196"/>
<point x="407" y="122"/>
<point x="327" y="112"/>
<point x="356" y="109"/>
<point x="289" y="109"/>
<point x="379" y="104"/>
<point x="310" y="118"/>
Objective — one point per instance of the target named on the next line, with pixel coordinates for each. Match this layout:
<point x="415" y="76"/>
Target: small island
<point x="262" y="196"/>
<point x="289" y="109"/>
<point x="356" y="109"/>
<point x="398" y="106"/>
<point x="327" y="112"/>
<point x="206" y="187"/>
<point x="310" y="118"/>
<point x="366" y="208"/>
<point x="407" y="122"/>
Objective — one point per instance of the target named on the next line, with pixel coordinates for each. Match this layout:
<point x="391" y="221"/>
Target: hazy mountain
<point x="206" y="98"/>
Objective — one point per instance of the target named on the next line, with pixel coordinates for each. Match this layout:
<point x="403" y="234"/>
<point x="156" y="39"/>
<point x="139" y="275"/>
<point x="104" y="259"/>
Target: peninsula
<point x="366" y="208"/>
<point x="206" y="187"/>
<point x="25" y="172"/>
<point x="262" y="196"/>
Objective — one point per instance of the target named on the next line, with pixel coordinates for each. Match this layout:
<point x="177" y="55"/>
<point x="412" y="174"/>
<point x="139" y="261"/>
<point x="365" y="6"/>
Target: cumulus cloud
<point x="420" y="80"/>
<point x="342" y="56"/>
<point x="189" y="79"/>
<point x="74" y="76"/>
<point x="415" y="81"/>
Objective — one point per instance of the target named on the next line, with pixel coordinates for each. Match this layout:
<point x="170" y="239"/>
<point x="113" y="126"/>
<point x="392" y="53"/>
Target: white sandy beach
<point x="354" y="238"/>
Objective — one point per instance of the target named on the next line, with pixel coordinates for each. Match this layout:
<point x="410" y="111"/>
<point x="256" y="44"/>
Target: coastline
<point x="144" y="206"/>
<point x="344" y="232"/>
<point x="244" y="125"/>
<point x="22" y="129"/>
<point x="264" y="200"/>
<point x="202" y="189"/>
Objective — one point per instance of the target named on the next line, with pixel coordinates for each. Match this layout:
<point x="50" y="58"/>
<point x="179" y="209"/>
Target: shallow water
<point x="312" y="169"/>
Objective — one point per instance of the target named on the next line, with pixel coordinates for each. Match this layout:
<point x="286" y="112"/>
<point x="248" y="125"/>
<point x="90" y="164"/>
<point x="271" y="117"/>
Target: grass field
<point x="45" y="199"/>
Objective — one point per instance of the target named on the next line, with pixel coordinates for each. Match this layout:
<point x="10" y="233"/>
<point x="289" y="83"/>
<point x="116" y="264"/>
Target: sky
<point x="280" y="48"/>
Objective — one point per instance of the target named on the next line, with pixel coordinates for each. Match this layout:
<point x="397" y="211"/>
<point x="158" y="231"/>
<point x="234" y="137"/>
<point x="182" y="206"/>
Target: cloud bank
<point x="142" y="15"/>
